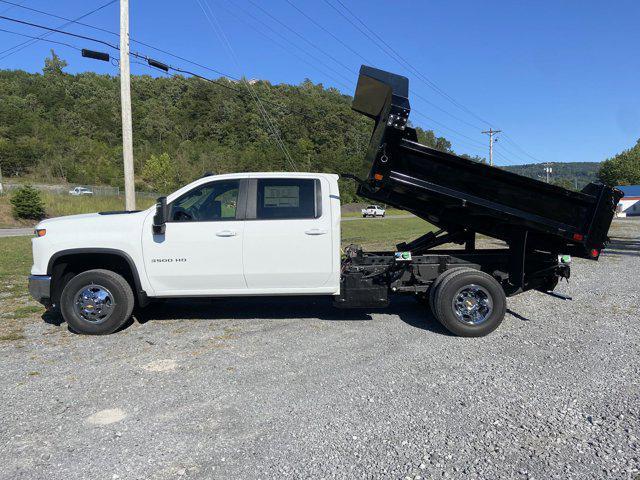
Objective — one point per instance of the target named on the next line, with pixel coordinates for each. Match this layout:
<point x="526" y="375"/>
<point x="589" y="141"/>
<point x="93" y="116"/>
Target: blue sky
<point x="561" y="78"/>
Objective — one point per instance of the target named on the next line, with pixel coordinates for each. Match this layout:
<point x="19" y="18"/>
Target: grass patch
<point x="26" y="312"/>
<point x="15" y="263"/>
<point x="15" y="258"/>
<point x="383" y="234"/>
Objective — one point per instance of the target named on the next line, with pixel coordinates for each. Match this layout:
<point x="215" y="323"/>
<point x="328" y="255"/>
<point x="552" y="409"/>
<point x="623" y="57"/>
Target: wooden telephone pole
<point x="125" y="101"/>
<point x="491" y="132"/>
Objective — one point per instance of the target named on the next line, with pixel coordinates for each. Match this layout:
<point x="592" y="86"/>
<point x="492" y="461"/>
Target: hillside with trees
<point x="60" y="126"/>
<point x="572" y="175"/>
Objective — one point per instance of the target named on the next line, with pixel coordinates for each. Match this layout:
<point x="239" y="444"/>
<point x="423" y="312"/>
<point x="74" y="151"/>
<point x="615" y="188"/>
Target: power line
<point x="426" y="79"/>
<point x="104" y="30"/>
<point x="40" y="39"/>
<point x="521" y="149"/>
<point x="304" y="51"/>
<point x="56" y="30"/>
<point x="302" y="37"/>
<point x="335" y="37"/>
<point x="42" y="12"/>
<point x="133" y="54"/>
<point x="180" y="70"/>
<point x="215" y="25"/>
<point x="23" y="45"/>
<point x="390" y="51"/>
<point x="9" y="8"/>
<point x="321" y="50"/>
<point x="110" y="45"/>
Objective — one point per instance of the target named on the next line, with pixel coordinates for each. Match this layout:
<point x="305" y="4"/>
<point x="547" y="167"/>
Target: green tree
<point x="54" y="65"/>
<point x="160" y="173"/>
<point x="564" y="183"/>
<point x="27" y="204"/>
<point x="623" y="169"/>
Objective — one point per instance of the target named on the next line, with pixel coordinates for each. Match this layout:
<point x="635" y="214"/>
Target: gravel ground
<point x="265" y="388"/>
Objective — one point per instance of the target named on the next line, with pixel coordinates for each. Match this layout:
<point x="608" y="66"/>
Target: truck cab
<point x="225" y="235"/>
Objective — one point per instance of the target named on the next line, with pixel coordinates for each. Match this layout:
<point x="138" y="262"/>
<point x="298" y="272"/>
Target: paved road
<point x="15" y="232"/>
<point x="292" y="388"/>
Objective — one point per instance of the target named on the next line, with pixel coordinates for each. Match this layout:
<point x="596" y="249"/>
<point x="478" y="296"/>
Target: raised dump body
<point x="463" y="197"/>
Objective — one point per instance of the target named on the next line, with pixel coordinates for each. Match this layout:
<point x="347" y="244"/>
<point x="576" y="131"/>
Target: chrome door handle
<point x="315" y="231"/>
<point x="226" y="233"/>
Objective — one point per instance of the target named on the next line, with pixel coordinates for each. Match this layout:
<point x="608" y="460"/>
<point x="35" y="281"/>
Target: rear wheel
<point x="469" y="303"/>
<point x="96" y="302"/>
<point x="430" y="296"/>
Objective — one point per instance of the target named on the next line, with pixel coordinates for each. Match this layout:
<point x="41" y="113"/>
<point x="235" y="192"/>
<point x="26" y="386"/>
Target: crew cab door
<point x="200" y="252"/>
<point x="288" y="241"/>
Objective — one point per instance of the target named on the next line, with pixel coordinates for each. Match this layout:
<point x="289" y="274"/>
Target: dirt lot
<point x="265" y="388"/>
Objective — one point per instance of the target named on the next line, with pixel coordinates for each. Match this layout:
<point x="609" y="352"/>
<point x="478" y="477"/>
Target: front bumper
<point x="40" y="288"/>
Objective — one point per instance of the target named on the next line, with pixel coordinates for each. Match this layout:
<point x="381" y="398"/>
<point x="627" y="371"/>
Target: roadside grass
<point x="16" y="306"/>
<point x="58" y="205"/>
<point x="383" y="234"/>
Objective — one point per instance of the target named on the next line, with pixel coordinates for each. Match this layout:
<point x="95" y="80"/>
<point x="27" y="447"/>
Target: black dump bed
<point x="461" y="195"/>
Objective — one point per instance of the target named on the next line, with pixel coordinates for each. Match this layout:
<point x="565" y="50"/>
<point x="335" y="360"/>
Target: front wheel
<point x="96" y="302"/>
<point x="470" y="303"/>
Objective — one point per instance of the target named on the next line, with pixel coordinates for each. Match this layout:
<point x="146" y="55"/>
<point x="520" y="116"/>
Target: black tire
<point x="119" y="302"/>
<point x="430" y="296"/>
<point x="489" y="288"/>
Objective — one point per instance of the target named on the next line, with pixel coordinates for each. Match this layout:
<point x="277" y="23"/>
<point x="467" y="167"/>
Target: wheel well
<point x="66" y="266"/>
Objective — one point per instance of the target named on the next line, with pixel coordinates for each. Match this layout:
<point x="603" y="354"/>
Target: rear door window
<point x="288" y="198"/>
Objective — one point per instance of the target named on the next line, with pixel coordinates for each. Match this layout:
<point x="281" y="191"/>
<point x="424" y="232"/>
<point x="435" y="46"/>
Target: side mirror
<point x="160" y="218"/>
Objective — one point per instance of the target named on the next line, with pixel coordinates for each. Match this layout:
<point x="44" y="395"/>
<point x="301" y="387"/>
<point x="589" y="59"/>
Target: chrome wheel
<point x="472" y="304"/>
<point x="94" y="303"/>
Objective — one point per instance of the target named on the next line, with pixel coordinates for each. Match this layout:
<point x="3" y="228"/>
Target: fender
<point x="141" y="294"/>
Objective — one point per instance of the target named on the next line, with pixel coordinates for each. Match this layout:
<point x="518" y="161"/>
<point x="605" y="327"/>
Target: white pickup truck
<point x="237" y="234"/>
<point x="373" y="211"/>
<point x="80" y="192"/>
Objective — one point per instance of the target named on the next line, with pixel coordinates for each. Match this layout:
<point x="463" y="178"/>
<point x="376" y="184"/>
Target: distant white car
<point x="373" y="211"/>
<point x="80" y="191"/>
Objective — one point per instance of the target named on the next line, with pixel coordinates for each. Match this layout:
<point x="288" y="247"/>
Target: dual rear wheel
<point x="467" y="302"/>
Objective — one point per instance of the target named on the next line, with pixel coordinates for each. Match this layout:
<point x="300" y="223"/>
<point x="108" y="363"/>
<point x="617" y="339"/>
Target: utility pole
<point x="125" y="102"/>
<point x="491" y="132"/>
<point x="1" y="187"/>
<point x="548" y="170"/>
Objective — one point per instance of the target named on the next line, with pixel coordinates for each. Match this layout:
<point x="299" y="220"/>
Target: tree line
<point x="57" y="125"/>
<point x="623" y="168"/>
